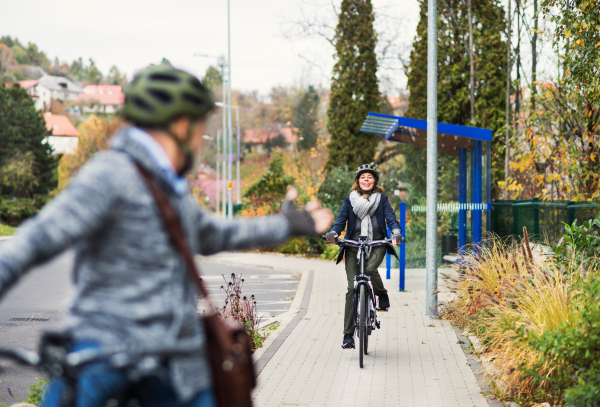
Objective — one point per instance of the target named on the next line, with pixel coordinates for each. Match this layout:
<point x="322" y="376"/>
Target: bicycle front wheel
<point x="367" y="321"/>
<point x="362" y="323"/>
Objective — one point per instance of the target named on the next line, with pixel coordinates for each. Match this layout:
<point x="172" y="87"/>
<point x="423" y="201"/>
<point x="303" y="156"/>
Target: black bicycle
<point x="55" y="360"/>
<point x="363" y="305"/>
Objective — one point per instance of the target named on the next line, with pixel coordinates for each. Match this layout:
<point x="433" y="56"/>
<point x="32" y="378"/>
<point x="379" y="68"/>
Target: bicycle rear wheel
<point x="362" y="323"/>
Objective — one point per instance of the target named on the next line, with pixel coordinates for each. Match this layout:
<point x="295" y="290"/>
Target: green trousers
<point x="353" y="269"/>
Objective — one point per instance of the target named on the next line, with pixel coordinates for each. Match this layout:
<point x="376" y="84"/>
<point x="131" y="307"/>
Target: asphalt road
<point x="40" y="301"/>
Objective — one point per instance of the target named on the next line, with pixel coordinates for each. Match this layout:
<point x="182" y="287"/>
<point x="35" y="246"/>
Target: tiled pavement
<point x="413" y="360"/>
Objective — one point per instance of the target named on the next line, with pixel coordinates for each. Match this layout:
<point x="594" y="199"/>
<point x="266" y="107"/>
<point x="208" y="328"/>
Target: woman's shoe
<point x="384" y="303"/>
<point x="348" y="342"/>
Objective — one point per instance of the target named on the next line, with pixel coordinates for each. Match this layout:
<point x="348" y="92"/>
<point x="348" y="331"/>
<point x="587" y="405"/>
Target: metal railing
<point x="544" y="220"/>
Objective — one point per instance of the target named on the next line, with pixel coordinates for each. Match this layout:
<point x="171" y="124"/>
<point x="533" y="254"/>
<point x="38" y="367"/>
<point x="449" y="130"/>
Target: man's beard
<point x="187" y="165"/>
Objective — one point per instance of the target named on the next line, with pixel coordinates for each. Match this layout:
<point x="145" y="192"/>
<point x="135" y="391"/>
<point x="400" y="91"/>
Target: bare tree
<point x="319" y="18"/>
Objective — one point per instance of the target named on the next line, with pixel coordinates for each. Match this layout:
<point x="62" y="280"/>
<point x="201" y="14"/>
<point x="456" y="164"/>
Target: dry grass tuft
<point x="506" y="286"/>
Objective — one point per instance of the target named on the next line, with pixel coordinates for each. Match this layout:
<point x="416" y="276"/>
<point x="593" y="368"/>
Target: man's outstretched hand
<point x="313" y="219"/>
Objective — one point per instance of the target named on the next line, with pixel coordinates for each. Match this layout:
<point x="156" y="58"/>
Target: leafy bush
<point x="579" y="245"/>
<point x="335" y="187"/>
<point x="16" y="211"/>
<point x="312" y="246"/>
<point x="297" y="245"/>
<point x="270" y="189"/>
<point x="572" y="349"/>
<point x="330" y="253"/>
<point x="36" y="392"/>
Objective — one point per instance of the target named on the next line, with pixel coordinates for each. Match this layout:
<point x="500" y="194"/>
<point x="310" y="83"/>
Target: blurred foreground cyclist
<point x="132" y="288"/>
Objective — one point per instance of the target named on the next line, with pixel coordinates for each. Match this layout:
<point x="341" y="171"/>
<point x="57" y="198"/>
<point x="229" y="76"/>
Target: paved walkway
<point x="413" y="360"/>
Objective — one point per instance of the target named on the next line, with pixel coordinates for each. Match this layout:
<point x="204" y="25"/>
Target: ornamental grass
<point x="505" y="290"/>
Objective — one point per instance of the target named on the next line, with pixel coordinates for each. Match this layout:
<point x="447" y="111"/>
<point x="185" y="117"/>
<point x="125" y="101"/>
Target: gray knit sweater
<point x="132" y="288"/>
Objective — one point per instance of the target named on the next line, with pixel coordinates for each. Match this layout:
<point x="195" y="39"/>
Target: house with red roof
<point x="282" y="137"/>
<point x="64" y="136"/>
<point x="101" y="98"/>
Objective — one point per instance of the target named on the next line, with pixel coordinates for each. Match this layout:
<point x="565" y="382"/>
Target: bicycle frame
<point x="363" y="280"/>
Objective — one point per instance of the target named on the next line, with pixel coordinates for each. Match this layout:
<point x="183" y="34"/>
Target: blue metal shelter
<point x="454" y="140"/>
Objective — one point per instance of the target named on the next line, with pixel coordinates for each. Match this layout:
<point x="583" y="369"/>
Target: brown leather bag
<point x="228" y="343"/>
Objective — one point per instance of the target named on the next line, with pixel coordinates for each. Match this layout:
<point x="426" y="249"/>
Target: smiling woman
<point x="366" y="211"/>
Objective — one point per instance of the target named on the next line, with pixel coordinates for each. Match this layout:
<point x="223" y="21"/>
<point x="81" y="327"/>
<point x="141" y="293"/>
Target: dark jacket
<point x="384" y="214"/>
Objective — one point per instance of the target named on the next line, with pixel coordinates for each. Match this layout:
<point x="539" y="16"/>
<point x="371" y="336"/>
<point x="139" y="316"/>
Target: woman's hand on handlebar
<point x="396" y="239"/>
<point x="331" y="236"/>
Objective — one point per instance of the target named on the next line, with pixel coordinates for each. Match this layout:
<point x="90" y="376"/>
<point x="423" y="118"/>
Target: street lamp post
<point x="432" y="167"/>
<point x="223" y="64"/>
<point x="230" y="134"/>
<point x="237" y="120"/>
<point x="217" y="184"/>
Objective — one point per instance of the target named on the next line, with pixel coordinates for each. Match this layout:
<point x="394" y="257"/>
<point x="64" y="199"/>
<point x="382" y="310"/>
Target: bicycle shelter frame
<point x="454" y="140"/>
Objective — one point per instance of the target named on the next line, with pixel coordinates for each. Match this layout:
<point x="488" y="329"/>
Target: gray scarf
<point x="364" y="209"/>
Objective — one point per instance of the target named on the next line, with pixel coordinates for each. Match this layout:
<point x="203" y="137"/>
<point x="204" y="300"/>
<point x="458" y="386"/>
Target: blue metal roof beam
<point x="451" y="137"/>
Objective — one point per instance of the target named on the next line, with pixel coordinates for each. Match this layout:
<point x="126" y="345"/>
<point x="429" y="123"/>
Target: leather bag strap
<point x="175" y="229"/>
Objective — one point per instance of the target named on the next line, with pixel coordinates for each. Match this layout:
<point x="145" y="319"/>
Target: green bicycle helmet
<point x="366" y="168"/>
<point x="160" y="94"/>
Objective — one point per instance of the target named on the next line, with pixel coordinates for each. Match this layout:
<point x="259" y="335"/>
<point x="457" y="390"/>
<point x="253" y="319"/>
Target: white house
<point x="64" y="136"/>
<point x="40" y="94"/>
<point x="61" y="88"/>
<point x="102" y="98"/>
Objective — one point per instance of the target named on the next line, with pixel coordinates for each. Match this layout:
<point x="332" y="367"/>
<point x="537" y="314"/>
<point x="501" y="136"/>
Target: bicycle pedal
<point x="378" y="325"/>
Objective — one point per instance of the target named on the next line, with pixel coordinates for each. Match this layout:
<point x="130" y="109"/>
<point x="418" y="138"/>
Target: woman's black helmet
<point x="366" y="168"/>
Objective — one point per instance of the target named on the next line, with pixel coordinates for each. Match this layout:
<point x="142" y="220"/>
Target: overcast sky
<point x="133" y="33"/>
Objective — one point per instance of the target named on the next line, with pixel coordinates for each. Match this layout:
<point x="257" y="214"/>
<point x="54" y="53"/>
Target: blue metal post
<point x="488" y="200"/>
<point x="477" y="190"/>
<point x="402" y="245"/>
<point x="388" y="261"/>
<point x="462" y="200"/>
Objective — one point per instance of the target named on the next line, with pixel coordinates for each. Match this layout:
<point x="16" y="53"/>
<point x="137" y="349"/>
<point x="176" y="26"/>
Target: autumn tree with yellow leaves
<point x="95" y="134"/>
<point x="558" y="152"/>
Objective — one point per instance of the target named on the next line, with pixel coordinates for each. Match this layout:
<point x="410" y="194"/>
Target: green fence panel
<point x="544" y="220"/>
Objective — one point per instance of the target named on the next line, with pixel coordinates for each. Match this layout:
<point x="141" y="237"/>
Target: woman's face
<point x="366" y="181"/>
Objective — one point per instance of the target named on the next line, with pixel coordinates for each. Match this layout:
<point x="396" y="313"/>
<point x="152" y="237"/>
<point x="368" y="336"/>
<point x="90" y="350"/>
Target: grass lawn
<point x="6" y="230"/>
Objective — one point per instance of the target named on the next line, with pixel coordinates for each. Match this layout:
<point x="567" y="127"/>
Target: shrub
<point x="270" y="189"/>
<point x="330" y="253"/>
<point x="572" y="349"/>
<point x="579" y="245"/>
<point x="16" y="211"/>
<point x="335" y="187"/>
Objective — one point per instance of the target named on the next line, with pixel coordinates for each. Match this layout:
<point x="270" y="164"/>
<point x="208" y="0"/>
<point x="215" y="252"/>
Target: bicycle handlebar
<point x="353" y="243"/>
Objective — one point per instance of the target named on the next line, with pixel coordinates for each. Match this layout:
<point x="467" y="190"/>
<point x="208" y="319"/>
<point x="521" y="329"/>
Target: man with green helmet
<point x="132" y="288"/>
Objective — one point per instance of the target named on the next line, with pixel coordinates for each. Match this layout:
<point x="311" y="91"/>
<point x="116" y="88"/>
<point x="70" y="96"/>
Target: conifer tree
<point x="22" y="131"/>
<point x="305" y="116"/>
<point x="354" y="86"/>
<point x="453" y="83"/>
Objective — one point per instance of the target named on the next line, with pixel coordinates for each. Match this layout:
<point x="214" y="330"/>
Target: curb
<point x="284" y="318"/>
<point x="470" y="345"/>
